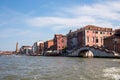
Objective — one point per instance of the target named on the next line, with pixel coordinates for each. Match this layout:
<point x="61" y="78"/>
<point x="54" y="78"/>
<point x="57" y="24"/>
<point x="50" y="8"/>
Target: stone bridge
<point x="93" y="52"/>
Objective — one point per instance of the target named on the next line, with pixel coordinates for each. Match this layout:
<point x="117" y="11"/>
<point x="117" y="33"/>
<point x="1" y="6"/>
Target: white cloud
<point x="106" y="10"/>
<point x="58" y="23"/>
<point x="102" y="14"/>
<point x="51" y="21"/>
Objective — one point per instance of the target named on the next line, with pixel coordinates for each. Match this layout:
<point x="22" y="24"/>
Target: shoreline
<point x="113" y="57"/>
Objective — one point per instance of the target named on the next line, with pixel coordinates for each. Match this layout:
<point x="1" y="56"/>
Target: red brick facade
<point x="113" y="42"/>
<point x="89" y="35"/>
<point x="60" y="42"/>
<point x="95" y="35"/>
<point x="48" y="45"/>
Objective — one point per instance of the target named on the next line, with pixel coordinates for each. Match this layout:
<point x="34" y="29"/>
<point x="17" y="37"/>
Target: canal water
<point x="58" y="68"/>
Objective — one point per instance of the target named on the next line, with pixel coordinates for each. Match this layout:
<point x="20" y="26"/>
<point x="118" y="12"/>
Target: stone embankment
<point x="93" y="52"/>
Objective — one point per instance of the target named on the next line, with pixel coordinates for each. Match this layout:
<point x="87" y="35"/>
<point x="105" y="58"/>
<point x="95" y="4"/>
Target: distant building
<point x="48" y="45"/>
<point x="113" y="42"/>
<point x="7" y="52"/>
<point x="27" y="50"/>
<point x="60" y="42"/>
<point x="89" y="35"/>
<point x="38" y="48"/>
<point x="41" y="48"/>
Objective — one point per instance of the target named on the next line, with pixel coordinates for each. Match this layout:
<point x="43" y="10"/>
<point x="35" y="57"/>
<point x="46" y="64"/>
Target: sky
<point x="28" y="21"/>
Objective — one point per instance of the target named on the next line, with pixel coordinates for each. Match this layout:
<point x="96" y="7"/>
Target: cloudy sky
<point x="28" y="21"/>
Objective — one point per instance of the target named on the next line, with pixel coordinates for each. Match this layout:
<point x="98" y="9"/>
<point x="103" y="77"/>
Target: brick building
<point x="89" y="35"/>
<point x="48" y="45"/>
<point x="113" y="42"/>
<point x="60" y="42"/>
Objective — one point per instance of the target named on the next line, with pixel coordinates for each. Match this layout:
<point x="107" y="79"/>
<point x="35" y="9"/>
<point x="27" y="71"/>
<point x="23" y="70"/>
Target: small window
<point x="110" y="33"/>
<point x="96" y="40"/>
<point x="87" y="31"/>
<point x="93" y="39"/>
<point x="87" y="39"/>
<point x="100" y="32"/>
<point x="96" y="32"/>
<point x="89" y="28"/>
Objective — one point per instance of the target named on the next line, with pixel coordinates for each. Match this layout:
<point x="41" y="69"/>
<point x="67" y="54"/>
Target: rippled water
<point x="58" y="68"/>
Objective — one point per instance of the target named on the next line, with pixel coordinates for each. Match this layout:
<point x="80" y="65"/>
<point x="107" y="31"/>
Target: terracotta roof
<point x="92" y="27"/>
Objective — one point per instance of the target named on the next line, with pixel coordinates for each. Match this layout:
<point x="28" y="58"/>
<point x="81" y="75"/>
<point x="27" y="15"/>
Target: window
<point x="100" y="32"/>
<point x="93" y="39"/>
<point x="97" y="40"/>
<point x="96" y="32"/>
<point x="89" y="28"/>
<point x="110" y="33"/>
<point x="87" y="31"/>
<point x="87" y="39"/>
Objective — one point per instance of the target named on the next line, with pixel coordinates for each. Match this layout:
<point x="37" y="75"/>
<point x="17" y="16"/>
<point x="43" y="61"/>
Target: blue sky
<point x="28" y="21"/>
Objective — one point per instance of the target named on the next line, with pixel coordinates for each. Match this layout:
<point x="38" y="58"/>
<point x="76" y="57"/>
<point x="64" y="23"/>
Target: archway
<point x="86" y="53"/>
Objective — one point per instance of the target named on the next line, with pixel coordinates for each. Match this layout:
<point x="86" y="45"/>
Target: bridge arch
<point x="85" y="53"/>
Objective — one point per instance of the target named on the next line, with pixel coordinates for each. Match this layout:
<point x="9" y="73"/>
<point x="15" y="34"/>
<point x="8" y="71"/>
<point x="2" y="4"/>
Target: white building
<point x="27" y="50"/>
<point x="36" y="47"/>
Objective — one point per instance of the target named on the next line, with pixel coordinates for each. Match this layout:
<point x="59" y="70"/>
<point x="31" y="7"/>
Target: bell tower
<point x="17" y="50"/>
